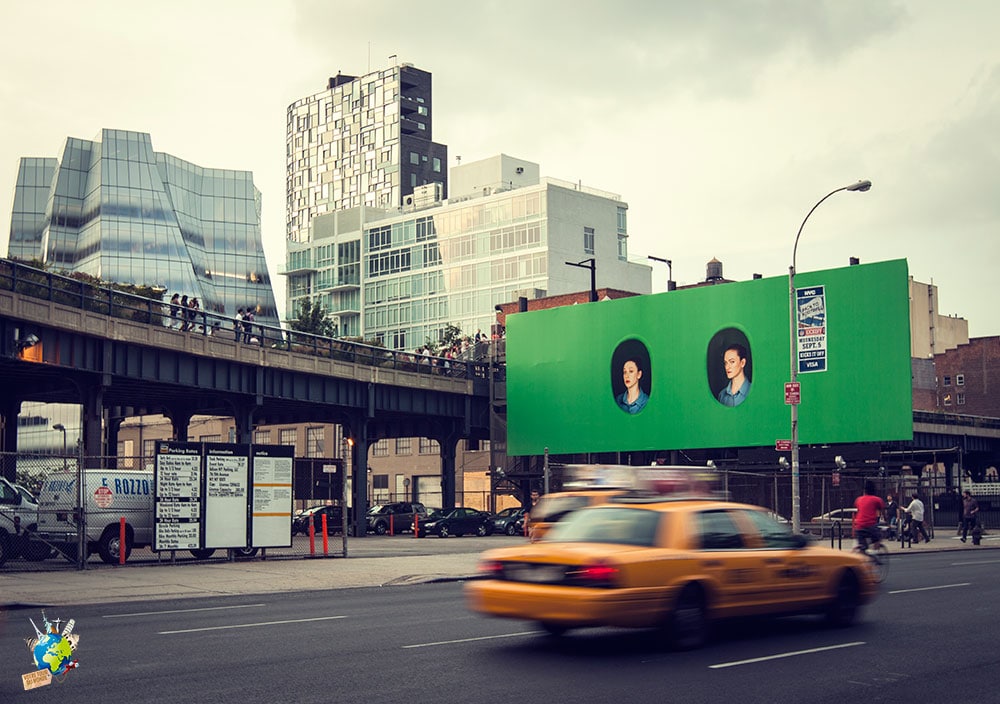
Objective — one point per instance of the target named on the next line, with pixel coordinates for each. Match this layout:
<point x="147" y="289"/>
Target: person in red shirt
<point x="870" y="508"/>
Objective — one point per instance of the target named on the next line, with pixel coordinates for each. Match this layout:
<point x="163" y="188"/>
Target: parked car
<point x="457" y="522"/>
<point x="334" y="520"/>
<point x="394" y="517"/>
<point x="839" y="514"/>
<point x="506" y="521"/>
<point x="670" y="565"/>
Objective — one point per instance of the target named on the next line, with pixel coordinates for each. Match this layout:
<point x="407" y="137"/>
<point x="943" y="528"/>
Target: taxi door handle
<point x="773" y="561"/>
<point x="712" y="563"/>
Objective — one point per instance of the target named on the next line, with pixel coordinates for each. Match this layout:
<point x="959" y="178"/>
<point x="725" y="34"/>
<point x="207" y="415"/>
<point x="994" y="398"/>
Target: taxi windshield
<point x="616" y="525"/>
<point x="553" y="508"/>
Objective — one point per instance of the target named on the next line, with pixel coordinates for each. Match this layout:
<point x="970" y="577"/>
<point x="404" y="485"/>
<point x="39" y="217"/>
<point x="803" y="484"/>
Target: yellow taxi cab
<point x="675" y="564"/>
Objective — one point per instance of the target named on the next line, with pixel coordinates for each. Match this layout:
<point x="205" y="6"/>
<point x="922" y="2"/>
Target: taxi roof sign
<point x="673" y="481"/>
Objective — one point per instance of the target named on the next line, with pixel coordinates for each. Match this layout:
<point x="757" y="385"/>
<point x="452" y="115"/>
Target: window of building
<point x="381" y="448"/>
<point x="210" y="438"/>
<point x="429" y="447"/>
<point x="314" y="442"/>
<point x="622" y="221"/>
<point x="947" y="380"/>
<point x="380" y="481"/>
<point x="960" y="380"/>
<point x="414" y="158"/>
<point x="960" y="399"/>
<point x="148" y="448"/>
<point x="287" y="436"/>
<point x="404" y="446"/>
<point x="947" y="399"/>
<point x="262" y="437"/>
<point x="436" y="165"/>
<point x="588" y="240"/>
<point x="622" y="247"/>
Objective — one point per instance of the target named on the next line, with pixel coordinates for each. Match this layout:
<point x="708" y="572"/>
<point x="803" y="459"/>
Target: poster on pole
<point x="810" y="310"/>
<point x="271" y="507"/>
<point x="227" y="481"/>
<point x="178" y="508"/>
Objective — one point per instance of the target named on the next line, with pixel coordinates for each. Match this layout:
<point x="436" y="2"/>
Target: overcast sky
<point x="720" y="123"/>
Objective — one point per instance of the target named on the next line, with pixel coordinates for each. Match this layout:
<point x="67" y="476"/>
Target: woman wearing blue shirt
<point x="634" y="398"/>
<point x="735" y="391"/>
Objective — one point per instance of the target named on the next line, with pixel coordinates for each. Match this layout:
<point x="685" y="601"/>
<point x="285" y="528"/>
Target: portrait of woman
<point x="630" y="376"/>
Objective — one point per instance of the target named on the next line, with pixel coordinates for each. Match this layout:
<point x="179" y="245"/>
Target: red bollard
<point x="312" y="537"/>
<point x="121" y="541"/>
<point x="416" y="525"/>
<point x="392" y="530"/>
<point x="326" y="547"/>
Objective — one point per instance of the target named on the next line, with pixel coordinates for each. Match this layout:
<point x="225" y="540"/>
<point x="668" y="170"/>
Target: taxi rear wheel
<point x="553" y="629"/>
<point x="844" y="608"/>
<point x="687" y="627"/>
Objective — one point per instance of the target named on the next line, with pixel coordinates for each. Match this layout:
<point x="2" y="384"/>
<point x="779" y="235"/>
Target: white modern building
<point x="401" y="276"/>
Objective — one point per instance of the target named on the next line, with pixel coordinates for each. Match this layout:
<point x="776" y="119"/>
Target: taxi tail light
<point x="596" y="575"/>
<point x="491" y="569"/>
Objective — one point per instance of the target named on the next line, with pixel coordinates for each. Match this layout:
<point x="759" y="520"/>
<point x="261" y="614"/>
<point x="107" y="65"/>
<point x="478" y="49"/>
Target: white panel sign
<point x="226" y="494"/>
<point x="271" y="518"/>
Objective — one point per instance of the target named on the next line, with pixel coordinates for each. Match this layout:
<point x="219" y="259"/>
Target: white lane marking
<point x="469" y="640"/>
<point x="974" y="562"/>
<point x="752" y="661"/>
<point x="184" y="611"/>
<point x="250" y="625"/>
<point x="928" y="589"/>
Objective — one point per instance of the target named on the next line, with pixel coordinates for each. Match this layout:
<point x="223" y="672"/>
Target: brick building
<point x="967" y="379"/>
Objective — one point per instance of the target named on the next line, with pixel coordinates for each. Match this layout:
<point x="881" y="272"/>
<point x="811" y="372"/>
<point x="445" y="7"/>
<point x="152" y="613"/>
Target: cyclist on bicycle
<point x="869" y="509"/>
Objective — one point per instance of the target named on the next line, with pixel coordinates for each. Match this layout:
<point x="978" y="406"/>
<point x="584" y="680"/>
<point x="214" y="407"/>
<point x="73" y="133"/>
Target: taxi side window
<point x="718" y="531"/>
<point x="772" y="534"/>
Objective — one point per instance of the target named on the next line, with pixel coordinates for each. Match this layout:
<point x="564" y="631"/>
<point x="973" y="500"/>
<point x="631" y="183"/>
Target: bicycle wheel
<point x="879" y="555"/>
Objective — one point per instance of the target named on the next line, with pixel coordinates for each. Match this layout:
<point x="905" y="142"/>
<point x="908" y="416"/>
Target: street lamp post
<point x="671" y="285"/>
<point x="793" y="354"/>
<point x="592" y="265"/>
<point x="60" y="426"/>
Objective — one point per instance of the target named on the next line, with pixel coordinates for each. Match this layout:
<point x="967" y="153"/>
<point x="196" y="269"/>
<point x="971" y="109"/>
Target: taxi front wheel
<point x="687" y="627"/>
<point x="844" y="608"/>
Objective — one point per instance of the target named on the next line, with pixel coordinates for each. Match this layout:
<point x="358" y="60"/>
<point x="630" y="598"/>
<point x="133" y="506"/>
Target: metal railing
<point x="37" y="283"/>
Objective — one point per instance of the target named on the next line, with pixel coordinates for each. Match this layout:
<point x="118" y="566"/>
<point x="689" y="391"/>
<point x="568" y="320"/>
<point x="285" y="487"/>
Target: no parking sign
<point x="103" y="497"/>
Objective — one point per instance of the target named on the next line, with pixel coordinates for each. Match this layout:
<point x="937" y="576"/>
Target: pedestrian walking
<point x="192" y="313"/>
<point x="916" y="511"/>
<point x="238" y="325"/>
<point x="175" y="308"/>
<point x="183" y="313"/>
<point x="248" y="318"/>
<point x="970" y="511"/>
<point x="892" y="513"/>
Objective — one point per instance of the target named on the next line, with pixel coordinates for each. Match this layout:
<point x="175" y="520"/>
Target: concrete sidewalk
<point x="387" y="566"/>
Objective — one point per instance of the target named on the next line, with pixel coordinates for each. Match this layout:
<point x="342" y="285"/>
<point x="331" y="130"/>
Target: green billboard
<point x="706" y="367"/>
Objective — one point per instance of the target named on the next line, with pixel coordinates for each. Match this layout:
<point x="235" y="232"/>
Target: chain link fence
<point x="314" y="484"/>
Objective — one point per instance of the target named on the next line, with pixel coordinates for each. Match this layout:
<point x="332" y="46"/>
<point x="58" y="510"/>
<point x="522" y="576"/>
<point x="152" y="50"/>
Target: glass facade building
<point x="363" y="141"/>
<point x="116" y="209"/>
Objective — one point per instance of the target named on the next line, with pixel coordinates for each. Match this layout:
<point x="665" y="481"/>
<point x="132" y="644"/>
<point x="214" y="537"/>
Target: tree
<point x="450" y="335"/>
<point x="312" y="319"/>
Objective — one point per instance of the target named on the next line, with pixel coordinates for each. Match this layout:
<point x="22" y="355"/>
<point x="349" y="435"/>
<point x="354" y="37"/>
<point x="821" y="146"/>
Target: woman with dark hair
<point x="734" y="359"/>
<point x="634" y="398"/>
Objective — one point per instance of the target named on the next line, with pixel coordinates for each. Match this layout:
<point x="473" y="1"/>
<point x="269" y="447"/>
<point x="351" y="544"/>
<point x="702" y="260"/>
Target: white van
<point x="18" y="519"/>
<point x="108" y="496"/>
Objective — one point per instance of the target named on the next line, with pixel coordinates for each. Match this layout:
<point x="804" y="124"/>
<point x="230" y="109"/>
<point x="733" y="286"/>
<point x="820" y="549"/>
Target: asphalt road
<point x="928" y="638"/>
